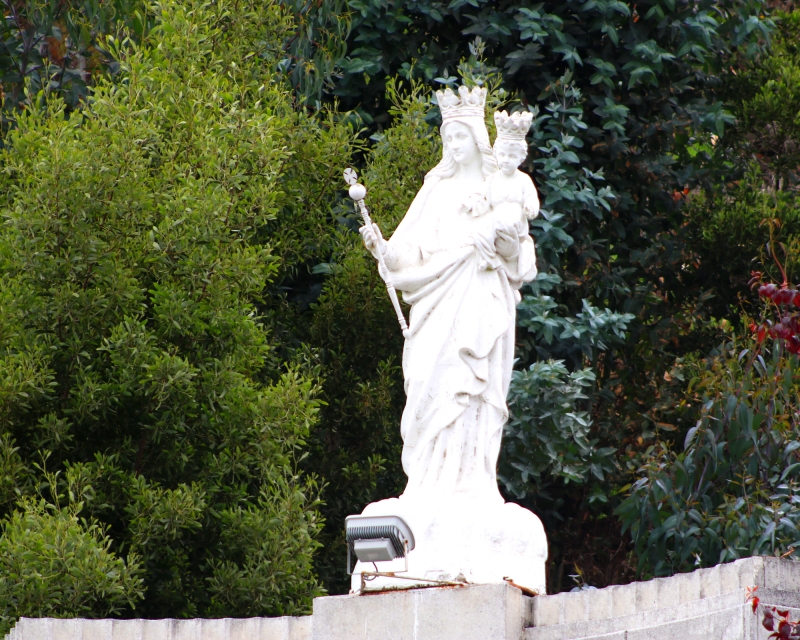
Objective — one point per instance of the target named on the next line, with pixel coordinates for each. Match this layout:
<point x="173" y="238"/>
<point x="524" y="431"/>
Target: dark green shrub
<point x="147" y="247"/>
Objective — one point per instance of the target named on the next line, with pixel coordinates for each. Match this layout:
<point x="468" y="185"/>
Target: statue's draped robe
<point x="458" y="357"/>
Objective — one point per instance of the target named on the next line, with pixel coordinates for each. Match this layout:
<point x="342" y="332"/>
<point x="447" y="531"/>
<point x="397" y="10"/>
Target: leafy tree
<point x="150" y="250"/>
<point x="732" y="491"/>
<point x="766" y="99"/>
<point x="57" y="47"/>
<point x="725" y="486"/>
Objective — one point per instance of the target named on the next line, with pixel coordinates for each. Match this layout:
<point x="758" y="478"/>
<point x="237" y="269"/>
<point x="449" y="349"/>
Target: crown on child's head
<point x="514" y="126"/>
<point x="465" y="103"/>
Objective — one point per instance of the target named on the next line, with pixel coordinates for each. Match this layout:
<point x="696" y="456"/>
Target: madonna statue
<point x="460" y="266"/>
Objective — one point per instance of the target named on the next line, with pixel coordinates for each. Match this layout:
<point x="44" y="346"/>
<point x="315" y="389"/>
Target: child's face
<point x="508" y="157"/>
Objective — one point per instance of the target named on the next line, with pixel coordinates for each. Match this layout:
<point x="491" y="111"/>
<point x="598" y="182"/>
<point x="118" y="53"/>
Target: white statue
<point x="459" y="257"/>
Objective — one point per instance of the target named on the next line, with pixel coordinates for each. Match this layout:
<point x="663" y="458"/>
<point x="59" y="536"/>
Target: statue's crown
<point x="465" y="103"/>
<point x="514" y="126"/>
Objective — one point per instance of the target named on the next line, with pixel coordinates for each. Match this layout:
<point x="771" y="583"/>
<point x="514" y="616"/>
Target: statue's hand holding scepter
<point x="358" y="192"/>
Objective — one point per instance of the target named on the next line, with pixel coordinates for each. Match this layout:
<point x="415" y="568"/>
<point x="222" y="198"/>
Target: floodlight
<point x="377" y="539"/>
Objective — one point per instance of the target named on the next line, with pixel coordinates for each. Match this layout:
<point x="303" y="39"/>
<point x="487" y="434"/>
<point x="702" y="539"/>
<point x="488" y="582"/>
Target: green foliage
<point x="314" y="45"/>
<point x="569" y="191"/>
<point x="749" y="202"/>
<point x="150" y="250"/>
<point x="57" y="47"/>
<point x="547" y="434"/>
<point x="263" y="562"/>
<point x="724" y="485"/>
<point x="733" y="490"/>
<point x="767" y="102"/>
<point x="52" y="564"/>
<point x="577" y="338"/>
<point x="741" y="222"/>
<point x="548" y="439"/>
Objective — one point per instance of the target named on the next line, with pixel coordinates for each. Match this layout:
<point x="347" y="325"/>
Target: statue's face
<point x="508" y="156"/>
<point x="459" y="140"/>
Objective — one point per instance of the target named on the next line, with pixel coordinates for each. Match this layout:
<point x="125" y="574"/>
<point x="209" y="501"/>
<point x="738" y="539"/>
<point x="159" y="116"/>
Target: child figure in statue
<point x="508" y="200"/>
<point x="510" y="194"/>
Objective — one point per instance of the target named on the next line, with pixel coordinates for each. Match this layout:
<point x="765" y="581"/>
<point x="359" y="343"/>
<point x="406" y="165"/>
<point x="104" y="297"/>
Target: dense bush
<point x="732" y="490"/>
<point x="725" y="485"/>
<point x="54" y="564"/>
<point x="147" y="249"/>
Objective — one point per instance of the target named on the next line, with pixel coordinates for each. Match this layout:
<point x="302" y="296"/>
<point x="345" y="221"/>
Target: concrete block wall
<point x="288" y="628"/>
<point x="708" y="604"/>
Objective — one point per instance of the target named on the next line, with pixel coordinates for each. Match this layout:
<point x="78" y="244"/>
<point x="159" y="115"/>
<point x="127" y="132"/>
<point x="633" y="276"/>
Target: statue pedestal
<point x="464" y="540"/>
<point x="482" y="612"/>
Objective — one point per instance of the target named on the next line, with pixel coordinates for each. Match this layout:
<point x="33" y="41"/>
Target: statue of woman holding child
<point x="459" y="257"/>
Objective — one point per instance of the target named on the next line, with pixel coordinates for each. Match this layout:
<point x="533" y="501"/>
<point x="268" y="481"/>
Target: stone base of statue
<point x="461" y="539"/>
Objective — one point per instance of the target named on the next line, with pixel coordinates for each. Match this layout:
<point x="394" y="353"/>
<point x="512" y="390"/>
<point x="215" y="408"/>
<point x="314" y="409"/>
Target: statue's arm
<point x="521" y="267"/>
<point x="526" y="262"/>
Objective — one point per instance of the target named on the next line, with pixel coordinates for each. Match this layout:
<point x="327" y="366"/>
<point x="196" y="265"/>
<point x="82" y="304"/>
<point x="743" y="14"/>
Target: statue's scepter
<point x="358" y="192"/>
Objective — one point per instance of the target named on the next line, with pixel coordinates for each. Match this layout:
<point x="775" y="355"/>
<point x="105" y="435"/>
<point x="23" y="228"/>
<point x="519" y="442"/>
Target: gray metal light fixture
<point x="377" y="539"/>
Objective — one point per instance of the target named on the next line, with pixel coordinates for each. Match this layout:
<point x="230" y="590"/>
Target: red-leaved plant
<point x="787" y="302"/>
<point x="775" y="620"/>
